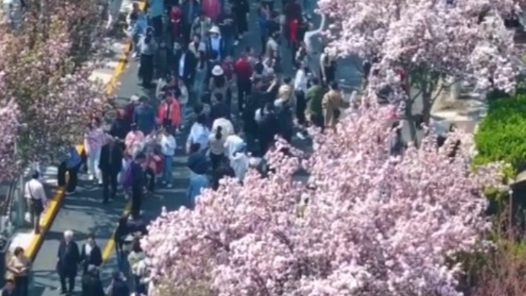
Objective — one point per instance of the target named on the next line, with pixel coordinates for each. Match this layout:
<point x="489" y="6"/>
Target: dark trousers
<point x="71" y="282"/>
<point x="318" y="121"/>
<point x="301" y="105"/>
<point x="22" y="285"/>
<point x="150" y="180"/>
<point x="137" y="194"/>
<point x="157" y="24"/>
<point x="146" y="69"/>
<point x="242" y="22"/>
<point x="215" y="159"/>
<point x="73" y="176"/>
<point x="109" y="185"/>
<point x="244" y="86"/>
<point x="35" y="214"/>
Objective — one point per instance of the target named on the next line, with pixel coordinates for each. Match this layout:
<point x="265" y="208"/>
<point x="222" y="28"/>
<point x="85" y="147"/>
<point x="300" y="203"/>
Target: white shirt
<point x="199" y="134"/>
<point x="232" y="144"/>
<point x="300" y="81"/>
<point x="87" y="249"/>
<point x="35" y="190"/>
<point x="217" y="146"/>
<point x="240" y="163"/>
<point x="181" y="64"/>
<point x="168" y="145"/>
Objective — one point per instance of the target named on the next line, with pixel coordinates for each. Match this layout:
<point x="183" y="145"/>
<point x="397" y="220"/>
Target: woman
<point x="94" y="139"/>
<point x="147" y="48"/>
<point x="134" y="258"/>
<point x="183" y="98"/>
<point x="133" y="138"/>
<point x="217" y="147"/>
<point x="20" y="266"/>
<point x="120" y="127"/>
<point x="197" y="46"/>
<point x="201" y="73"/>
<point x="218" y="83"/>
<point x="327" y="67"/>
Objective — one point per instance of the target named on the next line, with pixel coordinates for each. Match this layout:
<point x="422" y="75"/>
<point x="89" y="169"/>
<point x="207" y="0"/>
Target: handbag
<point x="38" y="205"/>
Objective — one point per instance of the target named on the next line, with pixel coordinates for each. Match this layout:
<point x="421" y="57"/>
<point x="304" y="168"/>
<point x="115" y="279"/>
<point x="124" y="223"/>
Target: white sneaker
<point x="100" y="182"/>
<point x="300" y="135"/>
<point x="236" y="43"/>
<point x="91" y="177"/>
<point x="169" y="186"/>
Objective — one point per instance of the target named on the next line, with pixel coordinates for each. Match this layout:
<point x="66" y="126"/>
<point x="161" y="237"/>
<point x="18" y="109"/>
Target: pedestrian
<point x="162" y="69"/>
<point x="199" y="133"/>
<point x="176" y="22"/>
<point x="120" y="127"/>
<point x="130" y="108"/>
<point x="243" y="71"/>
<point x="215" y="44"/>
<point x="219" y="108"/>
<point x="137" y="23"/>
<point x="198" y="182"/>
<point x="9" y="288"/>
<point x="263" y="21"/>
<point x="156" y="13"/>
<point x="138" y="182"/>
<point x="169" y="112"/>
<point x="218" y="82"/>
<point x="68" y="260"/>
<point x="227" y="25"/>
<point x="90" y="255"/>
<point x="91" y="283"/>
<point x="197" y="161"/>
<point x="168" y="146"/>
<point x="144" y="116"/>
<point x="147" y="49"/>
<point x="20" y="267"/>
<point x="196" y="46"/>
<point x="212" y="9"/>
<point x="201" y="73"/>
<point x="314" y="112"/>
<point x="118" y="286"/>
<point x="135" y="259"/>
<point x="300" y="90"/>
<point x="239" y="162"/>
<point x="272" y="45"/>
<point x="217" y="147"/>
<point x="35" y="195"/>
<point x="133" y="138"/>
<point x="241" y="10"/>
<point x="331" y="104"/>
<point x="71" y="166"/>
<point x="94" y="139"/>
<point x="191" y="11"/>
<point x="234" y="143"/>
<point x="185" y="65"/>
<point x="268" y="127"/>
<point x="327" y="67"/>
<point x="119" y="237"/>
<point x="201" y="25"/>
<point x="110" y="165"/>
<point x="223" y="170"/>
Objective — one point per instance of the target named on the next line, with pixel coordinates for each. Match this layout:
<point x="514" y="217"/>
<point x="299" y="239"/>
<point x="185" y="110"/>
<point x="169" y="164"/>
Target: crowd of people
<point x="233" y="107"/>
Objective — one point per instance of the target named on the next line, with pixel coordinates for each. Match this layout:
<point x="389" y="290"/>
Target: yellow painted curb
<point x="54" y="204"/>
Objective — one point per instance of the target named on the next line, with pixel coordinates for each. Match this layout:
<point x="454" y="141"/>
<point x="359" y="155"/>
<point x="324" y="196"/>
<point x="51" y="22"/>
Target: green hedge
<point x="501" y="134"/>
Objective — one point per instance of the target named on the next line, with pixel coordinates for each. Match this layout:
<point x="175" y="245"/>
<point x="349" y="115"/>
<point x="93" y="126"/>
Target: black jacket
<point x="119" y="288"/>
<point x="94" y="257"/>
<point x="68" y="258"/>
<point x="91" y="285"/>
<point x="219" y="110"/>
<point x="189" y="64"/>
<point x="111" y="164"/>
<point x="120" y="128"/>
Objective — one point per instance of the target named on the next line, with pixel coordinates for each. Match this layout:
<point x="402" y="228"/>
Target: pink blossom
<point x="373" y="224"/>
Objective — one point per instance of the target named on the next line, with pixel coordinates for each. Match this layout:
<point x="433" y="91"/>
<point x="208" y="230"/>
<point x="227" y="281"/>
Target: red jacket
<point x="242" y="68"/>
<point x="175" y="20"/>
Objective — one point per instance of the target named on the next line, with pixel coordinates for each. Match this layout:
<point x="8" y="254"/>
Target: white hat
<point x="134" y="98"/>
<point x="214" y="29"/>
<point x="217" y="70"/>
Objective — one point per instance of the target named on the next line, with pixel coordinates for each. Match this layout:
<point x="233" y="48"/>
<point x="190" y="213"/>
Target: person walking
<point x="71" y="166"/>
<point x="243" y="71"/>
<point x="331" y="104"/>
<point x="169" y="112"/>
<point x="241" y="9"/>
<point x="91" y="254"/>
<point x="35" y="195"/>
<point x="138" y="181"/>
<point x="168" y="146"/>
<point x="94" y="139"/>
<point x="144" y="116"/>
<point x="147" y="49"/>
<point x="91" y="283"/>
<point x="68" y="260"/>
<point x="20" y="266"/>
<point x="110" y="165"/>
<point x="300" y="90"/>
<point x="314" y="112"/>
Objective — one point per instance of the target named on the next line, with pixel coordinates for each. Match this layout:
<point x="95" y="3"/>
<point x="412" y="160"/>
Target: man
<point x="185" y="63"/>
<point x="227" y="25"/>
<point x="201" y="25"/>
<point x="219" y="108"/>
<point x="91" y="283"/>
<point x="272" y="46"/>
<point x="35" y="195"/>
<point x="68" y="259"/>
<point x="190" y="13"/>
<point x="241" y="10"/>
<point x="268" y="127"/>
<point x="91" y="255"/>
<point x="144" y="116"/>
<point x="314" y="112"/>
<point x="110" y="164"/>
<point x="156" y="11"/>
<point x="70" y="166"/>
<point x="331" y="104"/>
<point x="243" y="71"/>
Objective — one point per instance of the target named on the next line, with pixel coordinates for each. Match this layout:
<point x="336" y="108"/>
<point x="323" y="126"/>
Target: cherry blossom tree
<point x="415" y="44"/>
<point x="46" y="75"/>
<point x="8" y="130"/>
<point x="368" y="223"/>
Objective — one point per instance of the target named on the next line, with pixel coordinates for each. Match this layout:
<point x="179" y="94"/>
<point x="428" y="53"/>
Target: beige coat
<point x="331" y="104"/>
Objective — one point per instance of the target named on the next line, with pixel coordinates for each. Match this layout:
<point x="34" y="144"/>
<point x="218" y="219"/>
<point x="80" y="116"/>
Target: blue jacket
<point x="197" y="183"/>
<point x="74" y="158"/>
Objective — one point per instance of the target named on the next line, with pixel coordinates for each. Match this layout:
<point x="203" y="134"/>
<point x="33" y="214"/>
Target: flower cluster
<point x="8" y="130"/>
<point x="367" y="223"/>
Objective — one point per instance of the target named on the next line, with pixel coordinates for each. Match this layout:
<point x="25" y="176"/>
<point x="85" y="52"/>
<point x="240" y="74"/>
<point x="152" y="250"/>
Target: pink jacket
<point x="132" y="138"/>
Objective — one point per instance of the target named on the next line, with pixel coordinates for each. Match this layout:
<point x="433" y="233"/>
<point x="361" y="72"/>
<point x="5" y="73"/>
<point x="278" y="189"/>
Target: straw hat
<point x="214" y="29"/>
<point x="217" y="70"/>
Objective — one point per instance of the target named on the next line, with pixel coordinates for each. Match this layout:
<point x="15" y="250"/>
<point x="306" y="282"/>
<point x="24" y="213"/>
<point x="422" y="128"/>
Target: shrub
<point x="501" y="134"/>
